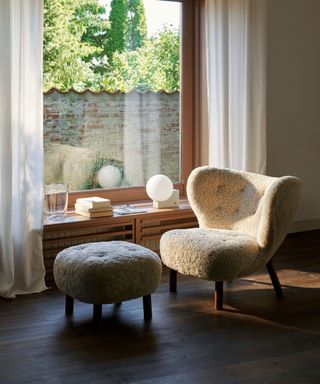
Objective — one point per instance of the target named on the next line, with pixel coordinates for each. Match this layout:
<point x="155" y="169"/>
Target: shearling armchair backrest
<point x="257" y="205"/>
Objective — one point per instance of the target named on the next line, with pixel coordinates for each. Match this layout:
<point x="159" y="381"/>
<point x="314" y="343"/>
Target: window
<point x="114" y="113"/>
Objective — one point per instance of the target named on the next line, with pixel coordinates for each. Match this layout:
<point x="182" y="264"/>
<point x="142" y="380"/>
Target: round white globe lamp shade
<point x="109" y="176"/>
<point x="159" y="187"/>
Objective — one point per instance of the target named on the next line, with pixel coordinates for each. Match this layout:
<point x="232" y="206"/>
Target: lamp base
<point x="172" y="202"/>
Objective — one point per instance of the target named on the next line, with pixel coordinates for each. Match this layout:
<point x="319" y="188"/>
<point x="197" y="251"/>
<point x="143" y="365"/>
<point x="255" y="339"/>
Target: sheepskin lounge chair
<point x="243" y="218"/>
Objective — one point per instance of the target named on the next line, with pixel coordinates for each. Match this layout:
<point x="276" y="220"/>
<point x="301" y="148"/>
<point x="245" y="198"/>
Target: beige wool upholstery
<point x="107" y="272"/>
<point x="243" y="218"/>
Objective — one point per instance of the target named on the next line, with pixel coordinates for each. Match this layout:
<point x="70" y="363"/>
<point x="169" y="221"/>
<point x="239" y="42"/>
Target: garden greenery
<point x="85" y="49"/>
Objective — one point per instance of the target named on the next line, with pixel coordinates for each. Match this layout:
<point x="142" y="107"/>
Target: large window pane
<point x="120" y="124"/>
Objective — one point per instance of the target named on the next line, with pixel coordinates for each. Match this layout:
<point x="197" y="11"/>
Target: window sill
<point x="73" y="220"/>
<point x="128" y="195"/>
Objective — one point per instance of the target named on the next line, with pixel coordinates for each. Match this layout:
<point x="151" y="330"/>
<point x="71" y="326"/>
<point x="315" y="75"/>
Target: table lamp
<point x="160" y="190"/>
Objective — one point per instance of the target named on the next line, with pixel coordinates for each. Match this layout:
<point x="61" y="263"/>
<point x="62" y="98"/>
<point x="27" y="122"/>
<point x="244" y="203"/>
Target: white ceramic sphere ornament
<point x="159" y="187"/>
<point x="109" y="176"/>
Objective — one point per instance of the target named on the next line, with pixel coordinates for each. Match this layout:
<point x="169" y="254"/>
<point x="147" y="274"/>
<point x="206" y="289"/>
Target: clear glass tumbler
<point x="55" y="202"/>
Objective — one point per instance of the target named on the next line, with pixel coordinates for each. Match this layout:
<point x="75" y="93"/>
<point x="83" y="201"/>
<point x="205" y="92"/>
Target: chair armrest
<point x="280" y="204"/>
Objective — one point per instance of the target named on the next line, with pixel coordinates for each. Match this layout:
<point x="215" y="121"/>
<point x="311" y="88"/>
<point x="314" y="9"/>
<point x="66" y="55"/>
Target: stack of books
<point x="93" y="207"/>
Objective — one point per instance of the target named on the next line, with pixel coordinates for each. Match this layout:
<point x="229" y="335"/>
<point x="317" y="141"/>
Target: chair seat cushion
<point x="210" y="254"/>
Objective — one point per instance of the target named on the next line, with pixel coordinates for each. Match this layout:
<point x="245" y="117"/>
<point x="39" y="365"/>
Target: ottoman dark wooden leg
<point x="147" y="307"/>
<point x="69" y="305"/>
<point x="218" y="295"/>
<point x="97" y="312"/>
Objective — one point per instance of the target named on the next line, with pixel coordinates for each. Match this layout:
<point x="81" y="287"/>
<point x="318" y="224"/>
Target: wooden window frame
<point x="189" y="107"/>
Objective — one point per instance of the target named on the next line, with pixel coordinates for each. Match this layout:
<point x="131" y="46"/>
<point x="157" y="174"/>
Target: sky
<point x="158" y="13"/>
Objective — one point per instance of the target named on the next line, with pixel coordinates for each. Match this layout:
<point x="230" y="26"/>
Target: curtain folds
<point x="21" y="147"/>
<point x="236" y="72"/>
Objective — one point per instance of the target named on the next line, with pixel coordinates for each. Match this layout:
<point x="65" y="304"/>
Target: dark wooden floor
<point x="257" y="339"/>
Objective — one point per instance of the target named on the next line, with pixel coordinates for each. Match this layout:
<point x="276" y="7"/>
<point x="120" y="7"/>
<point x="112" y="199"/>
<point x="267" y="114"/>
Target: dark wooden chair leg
<point x="97" y="313"/>
<point x="218" y="295"/>
<point x="69" y="305"/>
<point x="274" y="279"/>
<point x="147" y="307"/>
<point x="173" y="280"/>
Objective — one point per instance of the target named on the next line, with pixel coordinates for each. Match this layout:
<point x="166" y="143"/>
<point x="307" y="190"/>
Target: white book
<point x="95" y="214"/>
<point x="94" y="202"/>
<point x="85" y="208"/>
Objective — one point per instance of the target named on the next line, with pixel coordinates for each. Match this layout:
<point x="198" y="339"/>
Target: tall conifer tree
<point x="137" y="24"/>
<point x="117" y="34"/>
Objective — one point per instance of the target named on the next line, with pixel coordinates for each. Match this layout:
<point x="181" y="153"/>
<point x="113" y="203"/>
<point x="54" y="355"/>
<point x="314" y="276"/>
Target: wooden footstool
<point x="107" y="272"/>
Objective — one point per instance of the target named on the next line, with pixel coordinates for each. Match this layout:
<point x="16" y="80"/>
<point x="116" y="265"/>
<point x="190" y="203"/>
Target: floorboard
<point x="256" y="339"/>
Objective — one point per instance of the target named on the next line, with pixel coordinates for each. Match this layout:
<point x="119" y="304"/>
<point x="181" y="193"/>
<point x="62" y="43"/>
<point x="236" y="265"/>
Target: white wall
<point x="293" y="101"/>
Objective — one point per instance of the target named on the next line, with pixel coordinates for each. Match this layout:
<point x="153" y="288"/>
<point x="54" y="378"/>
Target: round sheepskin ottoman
<point x="107" y="272"/>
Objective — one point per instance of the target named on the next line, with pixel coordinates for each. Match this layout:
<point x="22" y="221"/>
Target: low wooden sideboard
<point x="143" y="228"/>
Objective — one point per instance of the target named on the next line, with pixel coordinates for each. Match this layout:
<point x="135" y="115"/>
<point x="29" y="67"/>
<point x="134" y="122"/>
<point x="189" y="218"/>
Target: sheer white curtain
<point x="21" y="152"/>
<point x="236" y="71"/>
